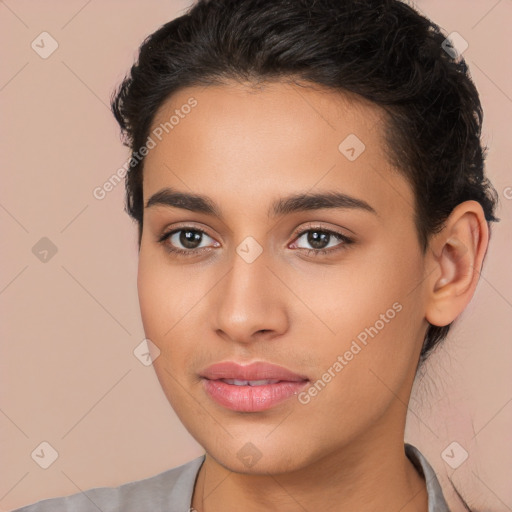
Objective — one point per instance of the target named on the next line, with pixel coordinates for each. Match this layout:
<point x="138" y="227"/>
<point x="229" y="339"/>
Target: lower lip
<point x="251" y="398"/>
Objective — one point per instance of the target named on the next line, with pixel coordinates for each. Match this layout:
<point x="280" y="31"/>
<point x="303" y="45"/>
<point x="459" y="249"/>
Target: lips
<point x="250" y="388"/>
<point x="251" y="372"/>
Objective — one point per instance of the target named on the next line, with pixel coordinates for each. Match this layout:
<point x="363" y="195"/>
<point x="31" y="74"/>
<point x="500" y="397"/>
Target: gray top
<point x="171" y="491"/>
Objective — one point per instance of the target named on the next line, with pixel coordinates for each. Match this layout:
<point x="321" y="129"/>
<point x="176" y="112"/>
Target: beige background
<point x="70" y="324"/>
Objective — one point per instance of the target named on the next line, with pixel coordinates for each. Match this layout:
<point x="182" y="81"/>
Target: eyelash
<point x="310" y="252"/>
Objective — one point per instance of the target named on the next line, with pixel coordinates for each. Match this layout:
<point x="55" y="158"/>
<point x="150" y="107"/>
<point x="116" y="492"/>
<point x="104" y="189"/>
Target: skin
<point x="245" y="147"/>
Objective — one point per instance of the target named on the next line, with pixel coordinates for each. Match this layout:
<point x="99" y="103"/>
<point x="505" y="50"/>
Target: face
<point x="328" y="289"/>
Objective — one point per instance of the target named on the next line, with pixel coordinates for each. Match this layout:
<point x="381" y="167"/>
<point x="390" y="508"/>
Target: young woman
<point x="307" y="178"/>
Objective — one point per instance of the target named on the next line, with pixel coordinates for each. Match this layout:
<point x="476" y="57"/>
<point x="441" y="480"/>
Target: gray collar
<point x="436" y="501"/>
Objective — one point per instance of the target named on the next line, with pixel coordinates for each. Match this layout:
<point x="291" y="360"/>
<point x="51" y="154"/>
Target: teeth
<point x="237" y="382"/>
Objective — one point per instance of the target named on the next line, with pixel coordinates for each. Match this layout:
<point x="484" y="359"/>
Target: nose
<point x="250" y="302"/>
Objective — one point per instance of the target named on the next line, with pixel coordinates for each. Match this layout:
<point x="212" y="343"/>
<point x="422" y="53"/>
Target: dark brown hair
<point x="381" y="50"/>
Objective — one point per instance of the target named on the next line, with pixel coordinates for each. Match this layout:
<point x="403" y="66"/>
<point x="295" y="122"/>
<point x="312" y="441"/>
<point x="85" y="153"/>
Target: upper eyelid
<point x="311" y="227"/>
<point x="190" y="227"/>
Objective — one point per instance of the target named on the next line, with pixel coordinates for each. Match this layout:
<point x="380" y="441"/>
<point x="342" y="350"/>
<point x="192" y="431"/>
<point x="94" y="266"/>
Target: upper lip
<point x="255" y="371"/>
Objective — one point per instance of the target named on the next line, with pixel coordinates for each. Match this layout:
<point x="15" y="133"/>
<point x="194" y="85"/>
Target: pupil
<point x="318" y="239"/>
<point x="189" y="239"/>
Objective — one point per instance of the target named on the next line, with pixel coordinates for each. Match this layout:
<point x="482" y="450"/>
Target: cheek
<point x="160" y="288"/>
<point x="365" y="290"/>
<point x="363" y="371"/>
<point x="151" y="285"/>
<point x="171" y="300"/>
<point x="161" y="298"/>
<point x="162" y="307"/>
<point x="375" y="313"/>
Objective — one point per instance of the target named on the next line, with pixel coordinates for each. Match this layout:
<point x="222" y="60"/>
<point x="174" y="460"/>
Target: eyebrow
<point x="282" y="206"/>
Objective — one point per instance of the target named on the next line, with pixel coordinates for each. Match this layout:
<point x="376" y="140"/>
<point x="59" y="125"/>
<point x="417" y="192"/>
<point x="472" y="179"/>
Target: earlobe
<point x="454" y="263"/>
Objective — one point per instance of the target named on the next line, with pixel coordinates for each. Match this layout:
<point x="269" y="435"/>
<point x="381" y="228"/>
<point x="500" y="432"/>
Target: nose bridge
<point x="247" y="301"/>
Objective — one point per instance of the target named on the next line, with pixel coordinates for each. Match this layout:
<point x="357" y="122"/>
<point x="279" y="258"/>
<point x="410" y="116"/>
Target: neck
<point x="371" y="473"/>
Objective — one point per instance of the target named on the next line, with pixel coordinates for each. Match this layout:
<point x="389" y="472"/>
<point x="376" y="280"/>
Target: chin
<point x="258" y="457"/>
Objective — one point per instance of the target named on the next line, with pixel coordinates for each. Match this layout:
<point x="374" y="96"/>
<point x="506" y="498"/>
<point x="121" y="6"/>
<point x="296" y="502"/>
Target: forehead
<point x="241" y="142"/>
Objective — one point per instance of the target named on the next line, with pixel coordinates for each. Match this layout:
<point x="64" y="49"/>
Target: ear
<point x="454" y="262"/>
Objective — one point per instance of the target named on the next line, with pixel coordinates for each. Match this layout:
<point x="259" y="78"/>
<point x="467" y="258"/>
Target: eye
<point x="186" y="241"/>
<point x="322" y="241"/>
<point x="190" y="241"/>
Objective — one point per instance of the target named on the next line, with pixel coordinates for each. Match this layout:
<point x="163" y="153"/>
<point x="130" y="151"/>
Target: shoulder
<point x="168" y="491"/>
